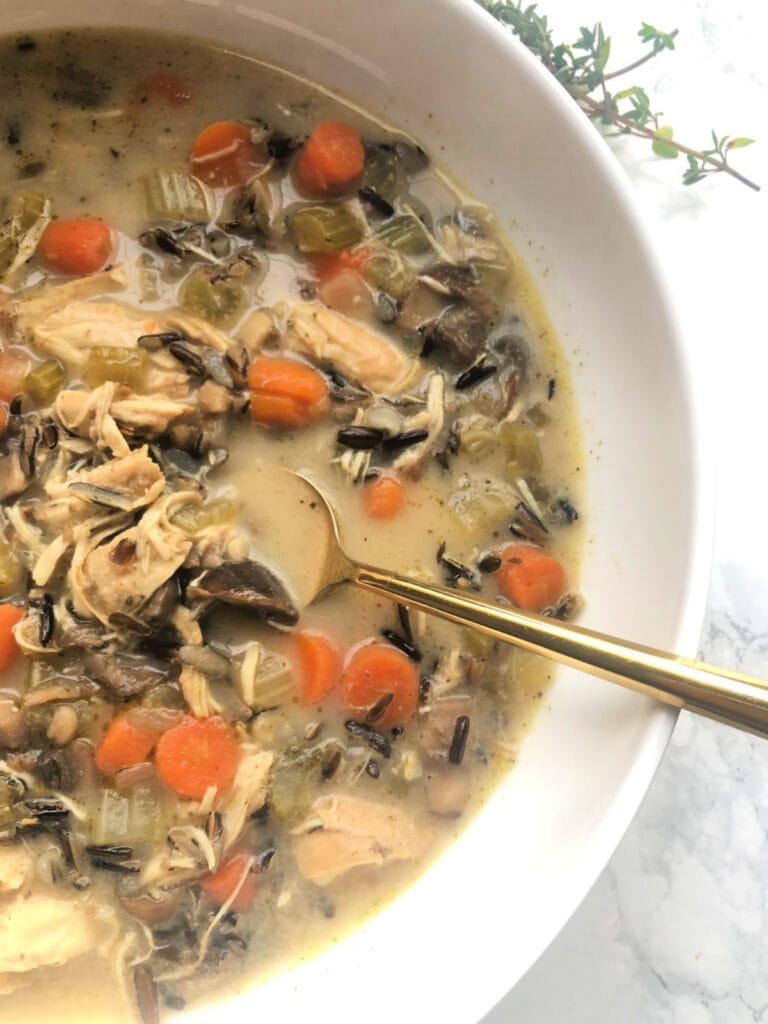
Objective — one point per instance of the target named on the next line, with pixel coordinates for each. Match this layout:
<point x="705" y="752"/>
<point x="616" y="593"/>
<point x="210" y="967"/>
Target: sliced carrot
<point x="78" y="246"/>
<point x="223" y="882"/>
<point x="530" y="578"/>
<point x="196" y="754"/>
<point x="164" y="86"/>
<point x="332" y="159"/>
<point x="9" y="649"/>
<point x="223" y="154"/>
<point x="320" y="661"/>
<point x="372" y="672"/>
<point x="286" y="393"/>
<point x="3" y="416"/>
<point x="328" y="264"/>
<point x="124" y="744"/>
<point x="384" y="497"/>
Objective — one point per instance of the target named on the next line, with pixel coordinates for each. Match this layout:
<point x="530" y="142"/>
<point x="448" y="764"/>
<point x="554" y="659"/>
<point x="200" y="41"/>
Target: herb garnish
<point x="581" y="68"/>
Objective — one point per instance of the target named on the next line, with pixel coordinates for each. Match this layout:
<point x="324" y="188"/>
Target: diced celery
<point x="111" y="822"/>
<point x="9" y="567"/>
<point x="404" y="233"/>
<point x="479" y="437"/>
<point x="220" y="302"/>
<point x="132" y="817"/>
<point x="326" y="228"/>
<point x="193" y="519"/>
<point x="523" y="449"/>
<point x="171" y="193"/>
<point x="390" y="272"/>
<point x="44" y="382"/>
<point x="122" y="365"/>
<point x="294" y="781"/>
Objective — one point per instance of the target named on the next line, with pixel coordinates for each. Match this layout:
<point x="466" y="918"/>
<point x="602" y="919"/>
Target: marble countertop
<point x="673" y="932"/>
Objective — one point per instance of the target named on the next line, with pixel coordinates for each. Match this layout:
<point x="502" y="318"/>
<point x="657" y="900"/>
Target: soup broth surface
<point x="483" y="447"/>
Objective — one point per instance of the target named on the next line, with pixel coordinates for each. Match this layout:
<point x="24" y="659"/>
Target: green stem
<point x="597" y="109"/>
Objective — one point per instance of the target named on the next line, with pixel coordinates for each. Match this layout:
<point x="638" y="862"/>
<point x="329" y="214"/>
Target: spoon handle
<point x="729" y="697"/>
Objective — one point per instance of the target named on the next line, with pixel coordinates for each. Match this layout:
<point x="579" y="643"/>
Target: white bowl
<point x="444" y="71"/>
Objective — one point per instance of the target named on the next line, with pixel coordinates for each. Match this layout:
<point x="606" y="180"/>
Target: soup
<point x="208" y="266"/>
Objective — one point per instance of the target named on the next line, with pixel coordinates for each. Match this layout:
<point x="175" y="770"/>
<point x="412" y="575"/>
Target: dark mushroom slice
<point x="152" y="910"/>
<point x="126" y="677"/>
<point x="460" y="332"/>
<point x="248" y="585"/>
<point x="461" y="281"/>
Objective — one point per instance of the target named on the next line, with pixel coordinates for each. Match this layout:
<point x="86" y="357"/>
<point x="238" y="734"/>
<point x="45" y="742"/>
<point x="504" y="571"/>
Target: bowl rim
<point x="597" y="850"/>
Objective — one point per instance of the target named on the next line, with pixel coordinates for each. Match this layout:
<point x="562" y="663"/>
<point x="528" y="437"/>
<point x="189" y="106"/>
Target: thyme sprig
<point x="582" y="69"/>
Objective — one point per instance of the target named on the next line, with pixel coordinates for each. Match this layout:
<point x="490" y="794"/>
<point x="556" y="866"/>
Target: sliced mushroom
<point x="60" y="688"/>
<point x="460" y="331"/>
<point x="125" y="677"/>
<point x="460" y="280"/>
<point x="249" y="585"/>
<point x="149" y="908"/>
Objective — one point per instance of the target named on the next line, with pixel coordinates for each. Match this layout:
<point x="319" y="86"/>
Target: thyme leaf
<point x="581" y="68"/>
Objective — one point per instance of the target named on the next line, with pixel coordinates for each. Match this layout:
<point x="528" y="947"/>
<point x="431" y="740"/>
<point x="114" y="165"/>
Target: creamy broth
<point x="82" y="127"/>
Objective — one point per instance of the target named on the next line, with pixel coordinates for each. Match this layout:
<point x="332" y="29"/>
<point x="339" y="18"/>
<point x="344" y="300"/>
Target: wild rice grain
<point x="459" y="741"/>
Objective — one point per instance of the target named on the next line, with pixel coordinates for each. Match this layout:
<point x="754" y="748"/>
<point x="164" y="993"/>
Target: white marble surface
<point x="674" y="931"/>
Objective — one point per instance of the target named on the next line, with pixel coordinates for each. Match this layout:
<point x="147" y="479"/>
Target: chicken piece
<point x="86" y="413"/>
<point x="448" y="791"/>
<point x="16" y="870"/>
<point x="38" y="930"/>
<point x="437" y="733"/>
<point x="248" y="793"/>
<point x="69" y="334"/>
<point x="149" y="412"/>
<point x="105" y="580"/>
<point x="432" y="418"/>
<point x="135" y="477"/>
<point x="25" y="311"/>
<point x="213" y="398"/>
<point x="256" y="330"/>
<point x="197" y="693"/>
<point x="342" y="832"/>
<point x="358" y="353"/>
<point x="196" y="329"/>
<point x="163" y="376"/>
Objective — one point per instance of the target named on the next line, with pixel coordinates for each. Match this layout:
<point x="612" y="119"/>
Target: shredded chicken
<point x="342" y="832"/>
<point x="104" y="582"/>
<point x="95" y="414"/>
<point x="196" y="329"/>
<point x="38" y="930"/>
<point x="432" y="417"/>
<point x="248" y="792"/>
<point x="69" y="334"/>
<point x="135" y="476"/>
<point x="28" y="309"/>
<point x="16" y="869"/>
<point x="358" y="353"/>
<point x="197" y="693"/>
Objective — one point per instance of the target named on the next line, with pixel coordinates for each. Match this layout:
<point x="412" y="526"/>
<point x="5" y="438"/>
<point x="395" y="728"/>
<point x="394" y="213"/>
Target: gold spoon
<point x="730" y="697"/>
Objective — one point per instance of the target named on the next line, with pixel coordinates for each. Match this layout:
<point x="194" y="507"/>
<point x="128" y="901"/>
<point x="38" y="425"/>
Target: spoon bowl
<point x="730" y="697"/>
